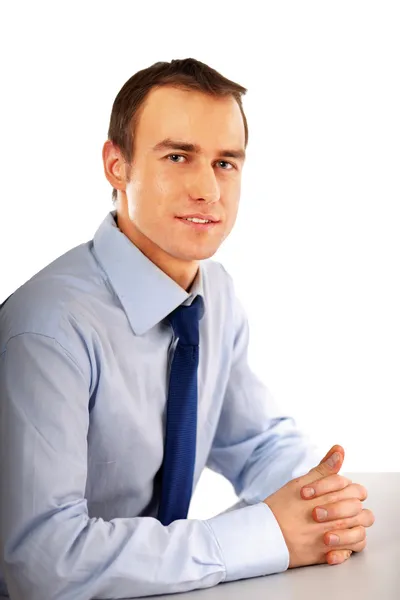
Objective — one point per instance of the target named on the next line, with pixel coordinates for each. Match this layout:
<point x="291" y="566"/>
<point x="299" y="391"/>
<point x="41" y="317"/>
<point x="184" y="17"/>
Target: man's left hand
<point x="345" y="518"/>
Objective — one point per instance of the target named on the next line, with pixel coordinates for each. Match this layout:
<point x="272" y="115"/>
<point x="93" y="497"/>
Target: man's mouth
<point x="197" y="223"/>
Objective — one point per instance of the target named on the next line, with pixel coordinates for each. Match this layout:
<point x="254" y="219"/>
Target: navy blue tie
<point x="180" y="440"/>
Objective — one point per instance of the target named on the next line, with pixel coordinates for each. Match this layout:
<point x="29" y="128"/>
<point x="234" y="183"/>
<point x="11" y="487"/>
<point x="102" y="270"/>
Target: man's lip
<point x="205" y="217"/>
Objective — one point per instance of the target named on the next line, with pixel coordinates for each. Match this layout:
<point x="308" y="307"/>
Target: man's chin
<point x="197" y="254"/>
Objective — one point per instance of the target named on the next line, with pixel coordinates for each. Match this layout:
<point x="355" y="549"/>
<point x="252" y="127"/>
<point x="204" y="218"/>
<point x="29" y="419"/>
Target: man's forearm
<point x="283" y="455"/>
<point x="70" y="556"/>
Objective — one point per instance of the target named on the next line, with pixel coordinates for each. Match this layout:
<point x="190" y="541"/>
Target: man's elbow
<point x="38" y="566"/>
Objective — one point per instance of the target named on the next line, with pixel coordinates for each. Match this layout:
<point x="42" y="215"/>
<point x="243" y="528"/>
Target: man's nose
<point x="204" y="186"/>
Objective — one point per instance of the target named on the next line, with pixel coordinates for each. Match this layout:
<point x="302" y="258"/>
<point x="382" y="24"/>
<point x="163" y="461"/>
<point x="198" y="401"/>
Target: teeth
<point x="194" y="220"/>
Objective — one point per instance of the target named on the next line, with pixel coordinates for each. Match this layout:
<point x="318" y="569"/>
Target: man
<point x="123" y="373"/>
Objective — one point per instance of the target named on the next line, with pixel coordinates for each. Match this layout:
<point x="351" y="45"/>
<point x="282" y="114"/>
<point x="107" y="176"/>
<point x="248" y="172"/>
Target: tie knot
<point x="185" y="322"/>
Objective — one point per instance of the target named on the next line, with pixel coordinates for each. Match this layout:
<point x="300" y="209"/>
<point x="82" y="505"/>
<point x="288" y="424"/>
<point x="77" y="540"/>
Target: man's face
<point x="168" y="182"/>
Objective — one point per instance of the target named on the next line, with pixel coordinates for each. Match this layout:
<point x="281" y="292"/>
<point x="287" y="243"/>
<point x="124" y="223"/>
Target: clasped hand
<point x="321" y="515"/>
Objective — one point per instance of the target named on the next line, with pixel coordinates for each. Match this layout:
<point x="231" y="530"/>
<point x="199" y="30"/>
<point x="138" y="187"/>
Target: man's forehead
<point x="174" y="93"/>
<point x="193" y="117"/>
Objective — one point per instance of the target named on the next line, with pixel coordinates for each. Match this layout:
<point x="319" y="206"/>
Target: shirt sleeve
<point x="50" y="547"/>
<point x="256" y="447"/>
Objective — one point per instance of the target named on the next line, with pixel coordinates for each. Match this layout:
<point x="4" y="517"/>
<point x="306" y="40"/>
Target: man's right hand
<point x="304" y="536"/>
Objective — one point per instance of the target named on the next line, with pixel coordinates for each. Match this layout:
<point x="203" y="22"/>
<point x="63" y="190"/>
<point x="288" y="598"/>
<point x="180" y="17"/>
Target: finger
<point x="337" y="510"/>
<point x="354" y="548"/>
<point x="359" y="547"/>
<point x="336" y="557"/>
<point x="335" y="448"/>
<point x="331" y="463"/>
<point x="345" y="538"/>
<point x="320" y="487"/>
<point x="353" y="490"/>
<point x="366" y="518"/>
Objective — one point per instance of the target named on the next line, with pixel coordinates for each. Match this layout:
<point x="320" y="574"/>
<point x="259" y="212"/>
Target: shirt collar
<point x="146" y="293"/>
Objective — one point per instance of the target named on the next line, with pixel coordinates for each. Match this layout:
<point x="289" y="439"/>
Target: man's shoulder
<point x="45" y="303"/>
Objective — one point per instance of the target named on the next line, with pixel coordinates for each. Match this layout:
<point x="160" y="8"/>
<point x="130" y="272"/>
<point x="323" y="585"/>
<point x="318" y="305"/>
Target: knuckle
<point x="352" y="522"/>
<point x="342" y="481"/>
<point x="360" y="534"/>
<point x="363" y="494"/>
<point x="361" y="546"/>
<point x="320" y="471"/>
<point x="333" y="498"/>
<point x="353" y="490"/>
<point x="358" y="505"/>
<point x="339" y="524"/>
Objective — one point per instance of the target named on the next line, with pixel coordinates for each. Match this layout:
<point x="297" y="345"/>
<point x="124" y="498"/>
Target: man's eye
<point x="175" y="159"/>
<point x="173" y="156"/>
<point x="226" y="163"/>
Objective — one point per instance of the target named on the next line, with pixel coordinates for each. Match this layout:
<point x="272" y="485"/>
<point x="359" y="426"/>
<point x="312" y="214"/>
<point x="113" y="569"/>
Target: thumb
<point x="329" y="465"/>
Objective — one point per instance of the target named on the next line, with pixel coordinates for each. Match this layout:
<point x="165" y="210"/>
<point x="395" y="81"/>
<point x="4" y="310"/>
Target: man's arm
<point x="266" y="458"/>
<point x="49" y="545"/>
<point x="256" y="447"/>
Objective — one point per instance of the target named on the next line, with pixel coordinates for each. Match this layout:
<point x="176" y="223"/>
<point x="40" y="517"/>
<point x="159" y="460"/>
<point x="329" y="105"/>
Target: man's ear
<point x="115" y="167"/>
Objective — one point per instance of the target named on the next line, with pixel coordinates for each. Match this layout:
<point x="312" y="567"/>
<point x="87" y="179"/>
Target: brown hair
<point x="187" y="73"/>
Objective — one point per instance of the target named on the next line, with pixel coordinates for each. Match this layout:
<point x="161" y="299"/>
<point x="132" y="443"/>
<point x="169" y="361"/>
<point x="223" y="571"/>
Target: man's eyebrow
<point x="169" y="144"/>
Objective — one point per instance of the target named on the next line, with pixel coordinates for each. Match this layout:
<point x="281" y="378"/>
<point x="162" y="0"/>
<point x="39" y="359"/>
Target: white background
<point x="315" y="251"/>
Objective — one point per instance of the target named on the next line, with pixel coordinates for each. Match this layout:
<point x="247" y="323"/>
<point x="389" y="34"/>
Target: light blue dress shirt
<point x="85" y="352"/>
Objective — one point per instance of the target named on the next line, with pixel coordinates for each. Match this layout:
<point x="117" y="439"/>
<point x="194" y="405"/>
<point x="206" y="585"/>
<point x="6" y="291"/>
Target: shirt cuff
<point x="251" y="542"/>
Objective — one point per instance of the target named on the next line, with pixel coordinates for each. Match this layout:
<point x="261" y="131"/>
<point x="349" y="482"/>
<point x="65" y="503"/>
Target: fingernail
<point x="335" y="559"/>
<point x="321" y="514"/>
<point x="308" y="492"/>
<point x="333" y="460"/>
<point x="333" y="539"/>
